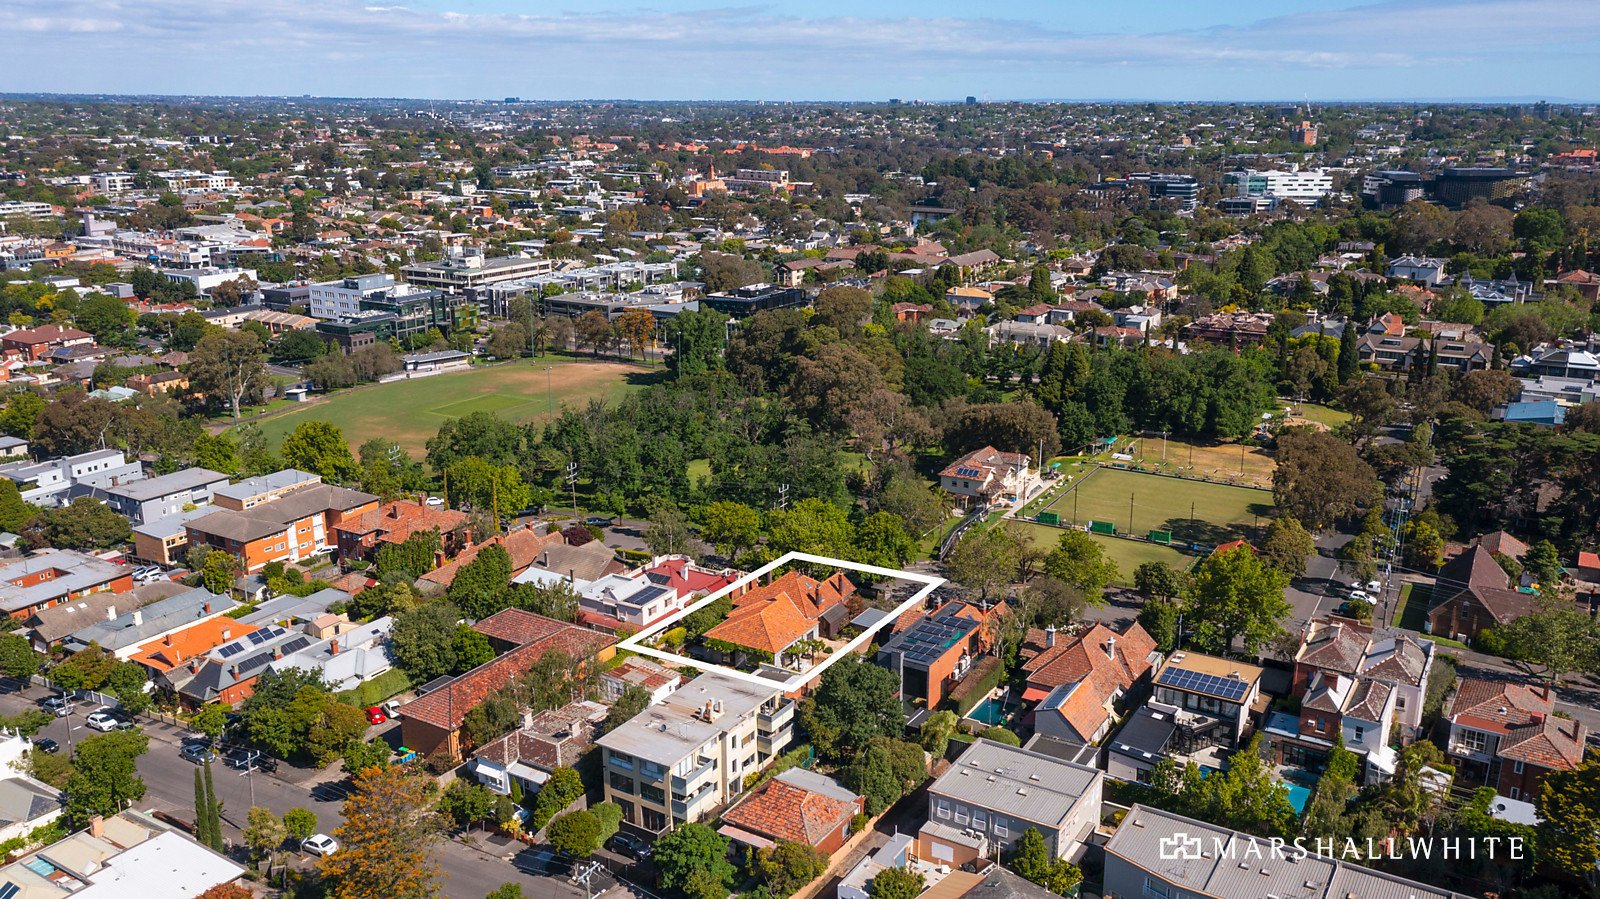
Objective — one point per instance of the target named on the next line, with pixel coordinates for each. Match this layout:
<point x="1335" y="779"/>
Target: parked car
<point x="58" y="705"/>
<point x="45" y="744"/>
<point x="104" y="721"/>
<point x="1360" y="596"/>
<point x="1374" y="587"/>
<point x="147" y="574"/>
<point x="436" y="502"/>
<point x="376" y="715"/>
<point x="199" y="753"/>
<point x="631" y="846"/>
<point x="319" y="844"/>
<point x="598" y="521"/>
<point x="391" y="708"/>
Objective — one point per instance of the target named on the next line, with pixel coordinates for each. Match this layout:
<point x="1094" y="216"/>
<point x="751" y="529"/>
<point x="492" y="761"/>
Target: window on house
<point x="1517" y="768"/>
<point x="1360" y="733"/>
<point x="1516" y="793"/>
<point x="961" y="815"/>
<point x="941" y="807"/>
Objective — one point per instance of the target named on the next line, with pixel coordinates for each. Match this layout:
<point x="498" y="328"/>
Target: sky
<point x="816" y="50"/>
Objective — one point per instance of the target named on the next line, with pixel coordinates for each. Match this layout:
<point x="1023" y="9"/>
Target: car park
<point x="319" y="844"/>
<point x="199" y="753"/>
<point x="45" y="744"/>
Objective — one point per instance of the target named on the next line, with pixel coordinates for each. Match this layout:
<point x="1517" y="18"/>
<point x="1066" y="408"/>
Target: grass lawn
<point x="1128" y="554"/>
<point x="409" y="412"/>
<point x="1411" y="609"/>
<point x="1236" y="463"/>
<point x="1322" y="415"/>
<point x="1221" y="512"/>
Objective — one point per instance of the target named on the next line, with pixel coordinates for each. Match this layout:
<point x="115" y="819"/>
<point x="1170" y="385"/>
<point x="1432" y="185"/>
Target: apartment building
<point x="59" y="481"/>
<point x="284" y="517"/>
<point x="151" y="499"/>
<point x="469" y="268"/>
<point x="122" y="635"/>
<point x="684" y="758"/>
<point x="25" y="209"/>
<point x="193" y="179"/>
<point x="1301" y="186"/>
<point x="995" y="793"/>
<point x="112" y="183"/>
<point x="53" y="576"/>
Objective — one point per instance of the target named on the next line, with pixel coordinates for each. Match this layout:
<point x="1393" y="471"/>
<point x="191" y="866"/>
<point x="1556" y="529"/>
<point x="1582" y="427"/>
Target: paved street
<point x="469" y="871"/>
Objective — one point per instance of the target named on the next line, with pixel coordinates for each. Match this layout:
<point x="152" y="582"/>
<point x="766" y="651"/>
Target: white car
<point x="1360" y="596"/>
<point x="436" y="502"/>
<point x="1374" y="587"/>
<point x="102" y="721"/>
<point x="319" y="844"/>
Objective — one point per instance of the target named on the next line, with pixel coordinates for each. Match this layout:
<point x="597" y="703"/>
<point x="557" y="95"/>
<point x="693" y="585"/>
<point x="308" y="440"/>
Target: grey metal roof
<point x="1016" y="782"/>
<point x="137" y="626"/>
<point x="177" y="482"/>
<point x="1145" y="735"/>
<point x="1226" y="863"/>
<point x="672" y="729"/>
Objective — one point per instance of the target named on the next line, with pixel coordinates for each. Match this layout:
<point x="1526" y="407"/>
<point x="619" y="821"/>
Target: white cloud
<point x="349" y="47"/>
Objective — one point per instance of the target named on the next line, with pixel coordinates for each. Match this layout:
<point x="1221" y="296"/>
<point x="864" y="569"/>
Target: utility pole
<point x="572" y="484"/>
<point x="1130" y="512"/>
<point x="783" y="497"/>
<point x="549" y="389"/>
<point x="584" y="876"/>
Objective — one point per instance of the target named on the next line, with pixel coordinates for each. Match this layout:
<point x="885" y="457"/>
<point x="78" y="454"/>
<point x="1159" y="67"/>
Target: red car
<point x="376" y="715"/>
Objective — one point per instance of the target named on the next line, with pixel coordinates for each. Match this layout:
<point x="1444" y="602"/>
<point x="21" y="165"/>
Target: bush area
<point x="390" y="683"/>
<point x="983" y="678"/>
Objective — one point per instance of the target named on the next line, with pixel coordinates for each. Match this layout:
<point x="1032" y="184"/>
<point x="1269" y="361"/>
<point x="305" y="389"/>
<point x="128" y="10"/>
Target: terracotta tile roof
<point x="1546" y="741"/>
<point x="781" y="810"/>
<point x="1400" y="659"/>
<point x="394" y="522"/>
<point x="1504" y="544"/>
<point x="1092" y="651"/>
<point x="177" y="649"/>
<point x="1337" y="646"/>
<point x="986" y="461"/>
<point x="447" y="707"/>
<point x="1498" y="705"/>
<point x="641" y="672"/>
<point x="686" y="578"/>
<point x="551" y="739"/>
<point x="518" y="626"/>
<point x="1368" y="700"/>
<point x="523" y="546"/>
<point x="771" y="616"/>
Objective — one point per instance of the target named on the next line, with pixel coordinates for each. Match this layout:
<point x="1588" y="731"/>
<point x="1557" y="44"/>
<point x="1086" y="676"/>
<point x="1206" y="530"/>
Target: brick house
<point x="771" y="618"/>
<point x="360" y="536"/>
<point x="431" y="723"/>
<point x="34" y="343"/>
<point x="1078" y="682"/>
<point x="1482" y="596"/>
<point x="1341" y="646"/>
<point x="1506" y="735"/>
<point x="797" y="806"/>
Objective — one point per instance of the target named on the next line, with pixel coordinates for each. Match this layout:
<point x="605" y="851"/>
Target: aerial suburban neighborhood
<point x="1186" y="495"/>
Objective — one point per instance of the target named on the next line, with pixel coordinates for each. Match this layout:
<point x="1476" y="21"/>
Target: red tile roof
<point x="523" y="546"/>
<point x="773" y="616"/>
<point x="447" y="707"/>
<point x="394" y="522"/>
<point x="783" y="811"/>
<point x="687" y="578"/>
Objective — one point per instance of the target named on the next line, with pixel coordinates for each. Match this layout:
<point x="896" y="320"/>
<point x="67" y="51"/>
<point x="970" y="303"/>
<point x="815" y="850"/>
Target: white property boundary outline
<point x="636" y="643"/>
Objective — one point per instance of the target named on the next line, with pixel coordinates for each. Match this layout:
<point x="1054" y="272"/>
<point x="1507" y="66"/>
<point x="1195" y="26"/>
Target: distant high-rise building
<point x="894" y="101"/>
<point x="1305" y="134"/>
<point x="972" y="101"/>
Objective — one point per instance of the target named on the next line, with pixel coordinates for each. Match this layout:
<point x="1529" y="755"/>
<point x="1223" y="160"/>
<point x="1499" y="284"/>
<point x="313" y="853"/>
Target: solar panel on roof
<point x="968" y="472"/>
<point x="1227" y="688"/>
<point x="230" y="650"/>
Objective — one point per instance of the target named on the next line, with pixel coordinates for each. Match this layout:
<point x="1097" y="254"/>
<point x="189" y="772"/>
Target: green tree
<point x="358" y="756"/>
<point x="881" y="540"/>
<point x="264" y="832"/>
<point x="320" y="448"/>
<point x="21" y="414"/>
<point x="788" y="866"/>
<point x="697" y="340"/>
<point x="506" y="891"/>
<point x="299" y="823"/>
<point x="984" y="559"/>
<point x="1158" y="580"/>
<point x="218" y="571"/>
<point x="484" y="486"/>
<point x="15" y="512"/>
<point x="1030" y="858"/>
<point x="575" y="833"/>
<point x="1569" y="828"/>
<point x="634" y="699"/>
<point x="558" y="792"/>
<point x="1543" y="563"/>
<point x="896" y="883"/>
<point x="202" y="810"/>
<point x="17" y="658"/>
<point x="104" y="777"/>
<point x="386" y="840"/>
<point x="1081" y="562"/>
<point x="471" y="648"/>
<point x="1248" y="797"/>
<point x="213" y="812"/>
<point x="692" y="848"/>
<point x="1288" y="545"/>
<point x="466" y="802"/>
<point x="1235" y="594"/>
<point x="811" y="526"/>
<point x="1558" y="636"/>
<point x="229" y="365"/>
<point x="85" y="524"/>
<point x="937" y="729"/>
<point x="854" y="702"/>
<point x="1159" y="618"/>
<point x="414" y="557"/>
<point x="731" y="527"/>
<point x="479" y="588"/>
<point x="422" y="640"/>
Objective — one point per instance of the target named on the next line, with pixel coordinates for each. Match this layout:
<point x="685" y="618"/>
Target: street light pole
<point x="549" y="388"/>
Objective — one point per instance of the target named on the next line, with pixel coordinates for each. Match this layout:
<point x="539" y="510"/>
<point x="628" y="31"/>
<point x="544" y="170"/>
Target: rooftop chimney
<point x="227" y="634"/>
<point x="207" y="608"/>
<point x="1050" y="636"/>
<point x="167" y="639"/>
<point x="138" y="617"/>
<point x="111" y="613"/>
<point x="1111" y="646"/>
<point x="333" y="648"/>
<point x="97" y="826"/>
<point x="1538" y="717"/>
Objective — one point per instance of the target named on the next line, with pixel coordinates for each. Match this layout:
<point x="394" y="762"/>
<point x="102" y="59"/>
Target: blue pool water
<point x="1300" y="784"/>
<point x="990" y="711"/>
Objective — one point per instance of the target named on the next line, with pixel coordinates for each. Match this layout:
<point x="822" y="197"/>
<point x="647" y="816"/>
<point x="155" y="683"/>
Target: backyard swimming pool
<point x="990" y="711"/>
<point x="1300" y="783"/>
